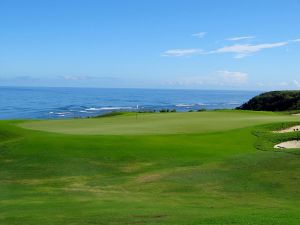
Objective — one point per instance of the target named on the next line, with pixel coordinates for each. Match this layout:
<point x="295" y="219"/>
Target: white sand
<point x="289" y="144"/>
<point x="290" y="129"/>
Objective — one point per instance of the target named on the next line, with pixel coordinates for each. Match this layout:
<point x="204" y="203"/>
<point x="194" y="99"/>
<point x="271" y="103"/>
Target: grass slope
<point x="212" y="175"/>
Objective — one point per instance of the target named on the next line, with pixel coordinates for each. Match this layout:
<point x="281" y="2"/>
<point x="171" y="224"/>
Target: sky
<point x="180" y="44"/>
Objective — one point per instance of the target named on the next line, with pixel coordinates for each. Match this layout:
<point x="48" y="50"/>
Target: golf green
<point x="159" y="123"/>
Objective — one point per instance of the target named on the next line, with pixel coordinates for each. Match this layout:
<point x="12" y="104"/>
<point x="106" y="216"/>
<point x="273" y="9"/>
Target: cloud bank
<point x="182" y="52"/>
<point x="240" y="38"/>
<point x="219" y="78"/>
<point x="199" y="35"/>
<point x="239" y="50"/>
<point x="243" y="50"/>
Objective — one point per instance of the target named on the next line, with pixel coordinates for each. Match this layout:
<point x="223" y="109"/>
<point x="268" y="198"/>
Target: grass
<point x="170" y="168"/>
<point x="159" y="123"/>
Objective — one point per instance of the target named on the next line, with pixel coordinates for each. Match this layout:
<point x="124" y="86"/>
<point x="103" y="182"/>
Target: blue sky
<point x="207" y="44"/>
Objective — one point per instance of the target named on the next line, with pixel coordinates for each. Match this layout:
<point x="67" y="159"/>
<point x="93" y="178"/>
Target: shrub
<point x="164" y="110"/>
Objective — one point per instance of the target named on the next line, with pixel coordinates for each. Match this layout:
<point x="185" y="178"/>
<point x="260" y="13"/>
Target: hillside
<point x="274" y="101"/>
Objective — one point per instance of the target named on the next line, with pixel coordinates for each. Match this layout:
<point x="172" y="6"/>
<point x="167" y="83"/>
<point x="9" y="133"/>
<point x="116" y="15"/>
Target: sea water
<point x="39" y="103"/>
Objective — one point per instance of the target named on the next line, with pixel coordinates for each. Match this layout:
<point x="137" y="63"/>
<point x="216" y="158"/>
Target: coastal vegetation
<point x="274" y="101"/>
<point x="213" y="167"/>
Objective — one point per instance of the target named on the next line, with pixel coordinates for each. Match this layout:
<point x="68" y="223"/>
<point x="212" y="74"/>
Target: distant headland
<point x="274" y="101"/>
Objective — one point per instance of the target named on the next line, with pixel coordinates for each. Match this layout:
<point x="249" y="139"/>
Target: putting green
<point x="159" y="123"/>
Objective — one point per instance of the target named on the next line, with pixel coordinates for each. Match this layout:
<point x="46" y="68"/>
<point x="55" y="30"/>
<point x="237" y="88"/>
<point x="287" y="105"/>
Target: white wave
<point x="62" y="113"/>
<point x="93" y="109"/>
<point x="115" y="108"/>
<point x="107" y="108"/>
<point x="185" y="105"/>
<point x="202" y="104"/>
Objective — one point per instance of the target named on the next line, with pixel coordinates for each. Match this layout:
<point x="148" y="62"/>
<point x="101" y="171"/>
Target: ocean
<point x="53" y="103"/>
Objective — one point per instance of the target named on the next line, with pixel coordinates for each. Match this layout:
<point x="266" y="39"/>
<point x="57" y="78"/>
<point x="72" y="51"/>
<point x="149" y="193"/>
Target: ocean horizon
<point x="71" y="102"/>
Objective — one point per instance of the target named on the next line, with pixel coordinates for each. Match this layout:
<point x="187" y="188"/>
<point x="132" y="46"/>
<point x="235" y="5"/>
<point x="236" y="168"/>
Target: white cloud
<point x="239" y="50"/>
<point x="296" y="83"/>
<point x="260" y="84"/>
<point x="24" y="78"/>
<point x="77" y="77"/>
<point x="230" y="77"/>
<point x="199" y="35"/>
<point x="182" y="52"/>
<point x="242" y="50"/>
<point x="189" y="81"/>
<point x="280" y="85"/>
<point x="87" y="78"/>
<point x="283" y="83"/>
<point x="240" y="38"/>
<point x="220" y="78"/>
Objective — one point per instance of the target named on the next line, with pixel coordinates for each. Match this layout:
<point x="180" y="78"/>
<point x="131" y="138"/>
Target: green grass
<point x="159" y="123"/>
<point x="185" y="168"/>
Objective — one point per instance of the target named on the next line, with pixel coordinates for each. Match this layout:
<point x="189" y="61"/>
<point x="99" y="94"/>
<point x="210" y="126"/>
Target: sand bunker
<point x="288" y="144"/>
<point x="290" y="129"/>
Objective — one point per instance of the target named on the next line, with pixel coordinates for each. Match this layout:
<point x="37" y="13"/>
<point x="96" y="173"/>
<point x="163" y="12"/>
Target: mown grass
<point x="213" y="176"/>
<point x="160" y="123"/>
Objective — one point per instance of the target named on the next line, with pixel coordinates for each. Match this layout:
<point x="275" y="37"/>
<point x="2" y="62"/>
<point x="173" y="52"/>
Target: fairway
<point x="159" y="123"/>
<point x="194" y="168"/>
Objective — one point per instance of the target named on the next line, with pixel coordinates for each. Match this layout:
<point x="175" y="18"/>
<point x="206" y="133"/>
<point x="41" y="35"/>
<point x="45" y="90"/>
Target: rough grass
<point x="208" y="177"/>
